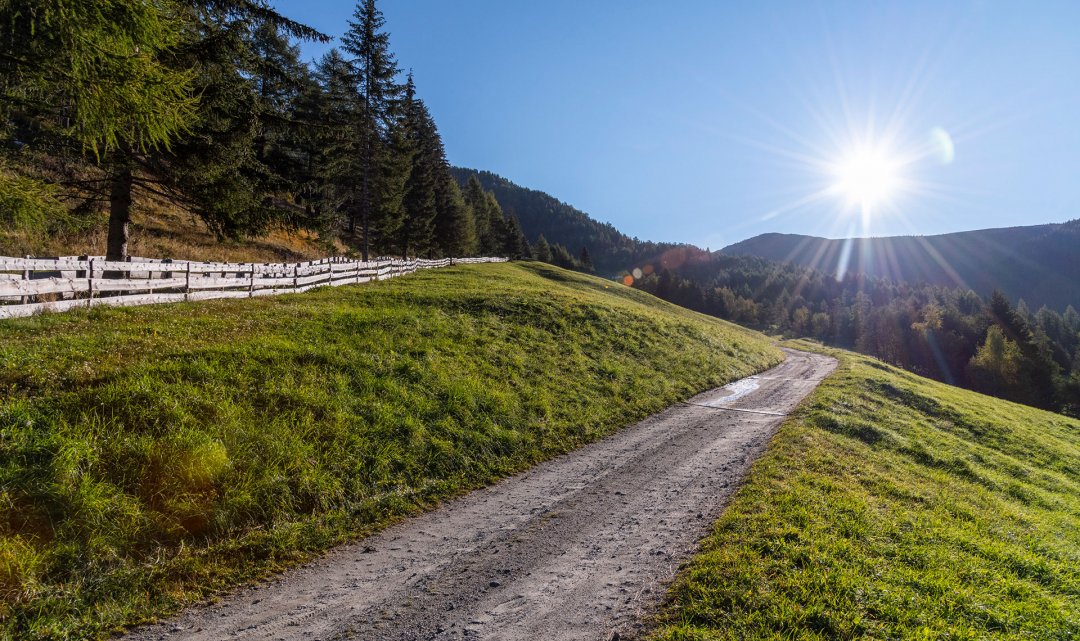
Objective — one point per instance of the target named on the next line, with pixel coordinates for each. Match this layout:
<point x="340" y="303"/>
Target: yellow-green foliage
<point x="895" y="507"/>
<point x="102" y="62"/>
<point x="28" y="205"/>
<point x="152" y="455"/>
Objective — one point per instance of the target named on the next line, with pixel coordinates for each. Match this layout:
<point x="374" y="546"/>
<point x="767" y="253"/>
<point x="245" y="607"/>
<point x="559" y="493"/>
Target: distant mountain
<point x="611" y="251"/>
<point x="1038" y="263"/>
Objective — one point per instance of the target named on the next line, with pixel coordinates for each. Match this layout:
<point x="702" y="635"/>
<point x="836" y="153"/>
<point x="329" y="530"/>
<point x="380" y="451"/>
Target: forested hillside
<point x="1038" y="263"/>
<point x="203" y="106"/>
<point x="572" y="238"/>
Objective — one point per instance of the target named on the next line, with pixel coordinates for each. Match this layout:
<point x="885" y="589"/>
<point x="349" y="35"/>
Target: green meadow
<point x="890" y="506"/>
<point x="153" y="456"/>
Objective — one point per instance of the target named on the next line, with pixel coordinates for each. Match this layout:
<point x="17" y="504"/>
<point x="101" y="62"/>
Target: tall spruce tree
<point x="514" y="244"/>
<point x="333" y="156"/>
<point x="455" y="225"/>
<point x="281" y="81"/>
<point x="216" y="169"/>
<point x="417" y="235"/>
<point x="476" y="200"/>
<point x="586" y="260"/>
<point x="447" y="227"/>
<point x="492" y="243"/>
<point x="542" y="250"/>
<point x="377" y="206"/>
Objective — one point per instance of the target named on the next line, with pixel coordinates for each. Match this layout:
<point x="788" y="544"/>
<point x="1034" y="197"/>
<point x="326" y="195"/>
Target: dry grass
<point x="162" y="230"/>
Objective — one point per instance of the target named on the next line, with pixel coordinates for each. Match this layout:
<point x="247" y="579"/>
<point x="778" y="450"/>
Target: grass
<point x="894" y="507"/>
<point x="162" y="230"/>
<point x="152" y="456"/>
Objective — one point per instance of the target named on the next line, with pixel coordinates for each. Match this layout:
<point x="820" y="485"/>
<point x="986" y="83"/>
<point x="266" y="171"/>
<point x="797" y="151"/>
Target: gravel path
<point x="579" y="547"/>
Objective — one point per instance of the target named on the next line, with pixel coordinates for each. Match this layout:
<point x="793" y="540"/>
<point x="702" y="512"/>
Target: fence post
<point x="187" y="281"/>
<point x="90" y="283"/>
<point x="295" y="276"/>
<point x="251" y="285"/>
<point x="26" y="276"/>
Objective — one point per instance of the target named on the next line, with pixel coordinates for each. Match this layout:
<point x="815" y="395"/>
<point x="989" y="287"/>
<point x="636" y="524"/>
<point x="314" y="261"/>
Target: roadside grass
<point x="891" y="506"/>
<point x="152" y="456"/>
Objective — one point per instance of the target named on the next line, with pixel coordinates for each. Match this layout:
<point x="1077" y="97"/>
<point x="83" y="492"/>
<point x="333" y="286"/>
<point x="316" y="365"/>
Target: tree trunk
<point x="119" y="208"/>
<point x="366" y="235"/>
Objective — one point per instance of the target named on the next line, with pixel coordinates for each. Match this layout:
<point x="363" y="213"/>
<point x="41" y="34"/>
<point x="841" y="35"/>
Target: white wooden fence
<point x="33" y="285"/>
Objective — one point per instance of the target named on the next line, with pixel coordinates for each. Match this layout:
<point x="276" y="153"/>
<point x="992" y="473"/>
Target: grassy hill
<point x="1036" y="262"/>
<point x="153" y="455"/>
<point x="895" y="507"/>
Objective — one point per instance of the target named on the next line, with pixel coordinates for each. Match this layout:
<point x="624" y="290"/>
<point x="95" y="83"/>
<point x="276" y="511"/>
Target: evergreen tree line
<point x="949" y="334"/>
<point x="207" y="103"/>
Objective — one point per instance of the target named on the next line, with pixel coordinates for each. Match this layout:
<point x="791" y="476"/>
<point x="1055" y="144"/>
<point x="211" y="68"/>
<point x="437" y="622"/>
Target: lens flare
<point x="943" y="145"/>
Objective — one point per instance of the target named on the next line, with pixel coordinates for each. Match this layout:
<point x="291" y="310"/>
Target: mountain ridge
<point x="1030" y="262"/>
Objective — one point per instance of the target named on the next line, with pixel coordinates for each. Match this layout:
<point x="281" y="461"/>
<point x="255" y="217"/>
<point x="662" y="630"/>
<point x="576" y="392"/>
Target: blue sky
<point x="710" y="122"/>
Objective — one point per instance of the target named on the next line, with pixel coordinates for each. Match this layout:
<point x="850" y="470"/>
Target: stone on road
<point x="579" y="547"/>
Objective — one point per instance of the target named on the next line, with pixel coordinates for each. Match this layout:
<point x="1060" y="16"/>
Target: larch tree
<point x="159" y="95"/>
<point x="97" y="78"/>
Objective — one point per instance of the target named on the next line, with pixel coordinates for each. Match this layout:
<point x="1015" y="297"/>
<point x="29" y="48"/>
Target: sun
<point x="867" y="177"/>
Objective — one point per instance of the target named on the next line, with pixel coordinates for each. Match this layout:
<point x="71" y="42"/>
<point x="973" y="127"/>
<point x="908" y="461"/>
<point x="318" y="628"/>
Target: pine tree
<point x="281" y="82"/>
<point x="542" y="250"/>
<point x="331" y="146"/>
<point x="515" y="246"/>
<point x="179" y="117"/>
<point x="420" y="203"/>
<point x="377" y="204"/>
<point x="493" y="243"/>
<point x="455" y="226"/>
<point x="476" y="200"/>
<point x="561" y="257"/>
<point x="216" y="169"/>
<point x="586" y="261"/>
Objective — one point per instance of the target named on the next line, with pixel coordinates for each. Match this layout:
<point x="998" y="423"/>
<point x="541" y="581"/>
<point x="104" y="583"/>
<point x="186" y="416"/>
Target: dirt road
<point x="576" y="548"/>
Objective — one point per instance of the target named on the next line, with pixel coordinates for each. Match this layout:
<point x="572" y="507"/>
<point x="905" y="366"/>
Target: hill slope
<point x="612" y="251"/>
<point x="1038" y="263"/>
<point x="149" y="456"/>
<point x="894" y="507"/>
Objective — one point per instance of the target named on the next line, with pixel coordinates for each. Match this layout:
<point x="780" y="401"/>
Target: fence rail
<point x="33" y="285"/>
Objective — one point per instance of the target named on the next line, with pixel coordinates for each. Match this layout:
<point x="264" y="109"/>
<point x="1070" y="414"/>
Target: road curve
<point x="576" y="548"/>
